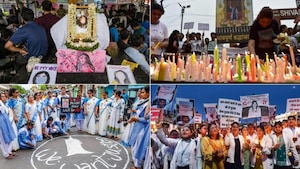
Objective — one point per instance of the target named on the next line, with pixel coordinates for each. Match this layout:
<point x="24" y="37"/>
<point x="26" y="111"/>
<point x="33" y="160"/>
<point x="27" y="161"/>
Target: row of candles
<point x="225" y="69"/>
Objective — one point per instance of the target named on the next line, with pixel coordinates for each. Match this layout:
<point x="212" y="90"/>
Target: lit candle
<point x="253" y="68"/>
<point x="173" y="71"/>
<point x="239" y="60"/>
<point x="267" y="69"/>
<point x="193" y="58"/>
<point x="163" y="70"/>
<point x="216" y="59"/>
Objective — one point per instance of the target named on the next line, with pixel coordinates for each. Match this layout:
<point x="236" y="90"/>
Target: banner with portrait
<point x="185" y="108"/>
<point x="233" y="20"/>
<point x="43" y="74"/>
<point x="70" y="105"/>
<point x="255" y="105"/>
<point x="164" y="96"/>
<point x="73" y="61"/>
<point x="211" y="111"/>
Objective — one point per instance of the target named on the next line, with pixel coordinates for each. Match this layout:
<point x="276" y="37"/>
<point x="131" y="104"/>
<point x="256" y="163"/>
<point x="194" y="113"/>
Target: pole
<point x="182" y="11"/>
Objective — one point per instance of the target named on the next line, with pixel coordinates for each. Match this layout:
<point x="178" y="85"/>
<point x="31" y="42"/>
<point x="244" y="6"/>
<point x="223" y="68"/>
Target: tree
<point x="20" y="89"/>
<point x="43" y="87"/>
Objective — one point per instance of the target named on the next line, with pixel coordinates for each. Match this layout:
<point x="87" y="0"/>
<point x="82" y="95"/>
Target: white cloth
<point x="288" y="131"/>
<point x="59" y="32"/>
<point x="6" y="148"/>
<point x="159" y="32"/>
<point x="230" y="141"/>
<point x="289" y="147"/>
<point x="138" y="58"/>
<point x="267" y="145"/>
<point x="104" y="110"/>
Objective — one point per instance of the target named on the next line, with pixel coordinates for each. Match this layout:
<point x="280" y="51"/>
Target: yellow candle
<point x="216" y="59"/>
<point x="163" y="70"/>
<point x="193" y="58"/>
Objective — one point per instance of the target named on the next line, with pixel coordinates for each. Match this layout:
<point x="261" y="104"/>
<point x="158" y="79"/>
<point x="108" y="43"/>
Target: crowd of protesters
<point x="206" y="146"/>
<point x="40" y="116"/>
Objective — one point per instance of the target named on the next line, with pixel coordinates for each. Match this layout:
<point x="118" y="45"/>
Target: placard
<point x="188" y="25"/>
<point x="71" y="105"/>
<point x="43" y="74"/>
<point x="226" y="121"/>
<point x="255" y="105"/>
<point x="73" y="61"/>
<point x="185" y="108"/>
<point x="211" y="111"/>
<point x="228" y="107"/>
<point x="118" y="74"/>
<point x="156" y="114"/>
<point x="265" y="119"/>
<point x="293" y="105"/>
<point x="203" y="26"/>
<point x="164" y="96"/>
<point x="198" y="118"/>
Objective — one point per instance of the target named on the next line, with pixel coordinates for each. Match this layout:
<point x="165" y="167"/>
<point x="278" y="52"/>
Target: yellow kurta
<point x="207" y="149"/>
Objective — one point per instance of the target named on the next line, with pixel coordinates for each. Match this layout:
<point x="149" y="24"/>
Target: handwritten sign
<point x="188" y="25"/>
<point x="185" y="108"/>
<point x="265" y="119"/>
<point x="226" y="121"/>
<point x="198" y="118"/>
<point x="156" y="114"/>
<point x="228" y="107"/>
<point x="293" y="105"/>
<point x="120" y="74"/>
<point x="203" y="26"/>
<point x="70" y="105"/>
<point x="43" y="74"/>
<point x="166" y="92"/>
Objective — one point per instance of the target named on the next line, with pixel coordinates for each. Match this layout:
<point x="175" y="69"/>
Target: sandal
<point x="9" y="157"/>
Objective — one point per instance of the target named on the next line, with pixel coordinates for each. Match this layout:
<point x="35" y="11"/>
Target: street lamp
<point x="182" y="12"/>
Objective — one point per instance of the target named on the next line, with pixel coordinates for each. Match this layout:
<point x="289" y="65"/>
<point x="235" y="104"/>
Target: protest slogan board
<point x="226" y="121"/>
<point x="203" y="26"/>
<point x="293" y="105"/>
<point x="228" y="107"/>
<point x="265" y="119"/>
<point x="272" y="112"/>
<point x="71" y="105"/>
<point x="255" y="105"/>
<point x="198" y="118"/>
<point x="156" y="114"/>
<point x="186" y="108"/>
<point x="73" y="61"/>
<point x="188" y="25"/>
<point x="211" y="111"/>
<point x="233" y="20"/>
<point x="43" y="74"/>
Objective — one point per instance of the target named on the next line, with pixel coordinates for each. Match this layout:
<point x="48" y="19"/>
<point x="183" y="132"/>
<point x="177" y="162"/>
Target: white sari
<point x="89" y="124"/>
<point x="104" y="110"/>
<point x="117" y="111"/>
<point x="33" y="111"/>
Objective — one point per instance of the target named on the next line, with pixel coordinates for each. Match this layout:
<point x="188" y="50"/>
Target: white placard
<point x="228" y="107"/>
<point x="255" y="105"/>
<point x="265" y="119"/>
<point x="293" y="105"/>
<point x="226" y="121"/>
<point x="203" y="26"/>
<point x="198" y="118"/>
<point x="120" y="74"/>
<point x="185" y="108"/>
<point x="43" y="74"/>
<point x="188" y="25"/>
<point x="166" y="92"/>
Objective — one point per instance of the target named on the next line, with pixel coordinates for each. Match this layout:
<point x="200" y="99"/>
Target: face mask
<point x="41" y="79"/>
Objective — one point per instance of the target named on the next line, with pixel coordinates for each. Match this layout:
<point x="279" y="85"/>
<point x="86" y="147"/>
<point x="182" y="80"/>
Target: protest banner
<point x="293" y="105"/>
<point x="255" y="105"/>
<point x="228" y="107"/>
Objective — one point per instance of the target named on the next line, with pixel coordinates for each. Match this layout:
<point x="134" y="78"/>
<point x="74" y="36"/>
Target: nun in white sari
<point x="90" y="108"/>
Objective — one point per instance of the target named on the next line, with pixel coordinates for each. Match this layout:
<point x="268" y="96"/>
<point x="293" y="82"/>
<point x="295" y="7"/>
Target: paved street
<point x="75" y="152"/>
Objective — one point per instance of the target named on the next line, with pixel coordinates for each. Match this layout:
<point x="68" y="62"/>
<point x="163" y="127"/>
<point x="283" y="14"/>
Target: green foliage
<point x="90" y="49"/>
<point x="20" y="89"/>
<point x="43" y="87"/>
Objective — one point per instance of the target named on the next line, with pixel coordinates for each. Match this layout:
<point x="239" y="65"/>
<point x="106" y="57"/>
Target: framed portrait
<point x="82" y="27"/>
<point x="65" y="102"/>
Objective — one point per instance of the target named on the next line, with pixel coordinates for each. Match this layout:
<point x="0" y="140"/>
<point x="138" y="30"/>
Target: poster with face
<point x="120" y="74"/>
<point x="255" y="105"/>
<point x="73" y="61"/>
<point x="43" y="74"/>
